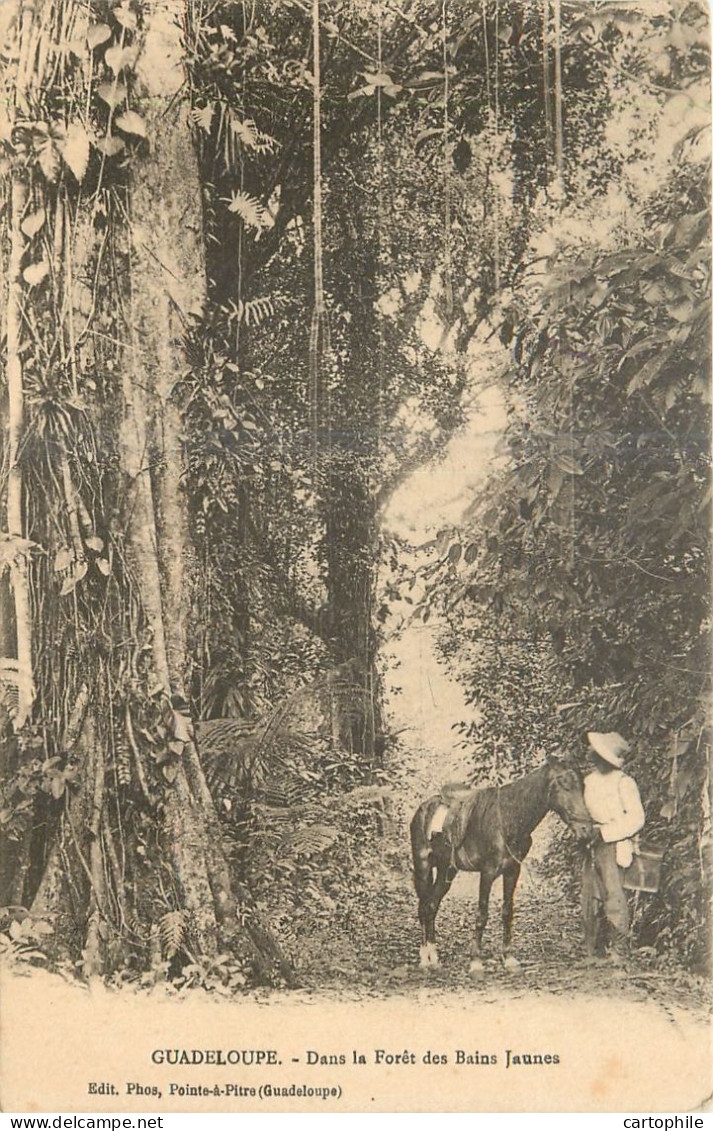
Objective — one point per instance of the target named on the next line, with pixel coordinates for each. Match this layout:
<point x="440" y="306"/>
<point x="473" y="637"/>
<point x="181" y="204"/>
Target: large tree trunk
<point x="138" y="843"/>
<point x="351" y="551"/>
<point x="168" y="283"/>
<point x="167" y="286"/>
<point x="350" y="497"/>
<point x="17" y="667"/>
<point x="350" y="514"/>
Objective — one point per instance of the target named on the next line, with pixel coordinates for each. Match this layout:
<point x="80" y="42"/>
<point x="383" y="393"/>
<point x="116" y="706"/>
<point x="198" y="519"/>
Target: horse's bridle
<point x="564" y="813"/>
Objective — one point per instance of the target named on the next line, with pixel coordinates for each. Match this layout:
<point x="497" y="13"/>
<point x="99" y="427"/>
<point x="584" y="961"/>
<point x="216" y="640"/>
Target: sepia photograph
<point x="355" y="548"/>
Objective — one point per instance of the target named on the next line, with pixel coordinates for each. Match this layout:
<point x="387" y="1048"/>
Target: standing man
<point x="614" y="804"/>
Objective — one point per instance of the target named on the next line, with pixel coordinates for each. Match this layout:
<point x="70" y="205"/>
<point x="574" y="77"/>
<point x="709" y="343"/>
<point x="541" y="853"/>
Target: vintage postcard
<point x="355" y="556"/>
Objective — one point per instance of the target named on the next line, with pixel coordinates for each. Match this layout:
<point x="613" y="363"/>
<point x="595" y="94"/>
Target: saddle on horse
<point x="449" y="820"/>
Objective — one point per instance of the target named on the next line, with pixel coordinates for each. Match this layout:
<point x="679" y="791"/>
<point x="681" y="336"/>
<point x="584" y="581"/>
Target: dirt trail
<point x="371" y="947"/>
<point x="361" y="986"/>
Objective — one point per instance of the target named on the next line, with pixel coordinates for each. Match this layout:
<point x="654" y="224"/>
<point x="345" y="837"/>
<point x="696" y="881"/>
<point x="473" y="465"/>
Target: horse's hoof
<point x="428" y="956"/>
<point x="511" y="963"/>
<point x="477" y="966"/>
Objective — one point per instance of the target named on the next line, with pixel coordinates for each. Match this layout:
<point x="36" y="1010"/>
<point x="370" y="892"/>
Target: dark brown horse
<point x="488" y="831"/>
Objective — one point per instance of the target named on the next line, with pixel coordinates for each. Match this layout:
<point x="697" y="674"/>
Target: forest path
<point x="360" y="986"/>
<point x="370" y="947"/>
<point x="371" y="944"/>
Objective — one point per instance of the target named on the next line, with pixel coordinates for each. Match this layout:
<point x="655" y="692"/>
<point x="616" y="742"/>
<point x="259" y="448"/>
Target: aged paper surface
<point x="615" y="1053"/>
<point x="365" y="1028"/>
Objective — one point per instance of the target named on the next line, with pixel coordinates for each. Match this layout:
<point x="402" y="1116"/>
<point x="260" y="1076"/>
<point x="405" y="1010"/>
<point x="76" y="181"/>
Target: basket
<point x="644" y="872"/>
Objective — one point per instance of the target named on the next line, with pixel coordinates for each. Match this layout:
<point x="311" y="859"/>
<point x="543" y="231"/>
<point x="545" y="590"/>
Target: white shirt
<point x="614" y="804"/>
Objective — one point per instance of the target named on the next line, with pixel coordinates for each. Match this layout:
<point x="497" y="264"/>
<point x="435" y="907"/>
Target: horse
<point x="487" y="830"/>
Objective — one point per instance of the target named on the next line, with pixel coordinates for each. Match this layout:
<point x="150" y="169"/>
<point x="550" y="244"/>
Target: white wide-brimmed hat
<point x="611" y="747"/>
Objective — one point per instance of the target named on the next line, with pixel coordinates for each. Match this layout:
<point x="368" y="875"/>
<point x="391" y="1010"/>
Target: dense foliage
<point x="590" y="551"/>
<point x="213" y="391"/>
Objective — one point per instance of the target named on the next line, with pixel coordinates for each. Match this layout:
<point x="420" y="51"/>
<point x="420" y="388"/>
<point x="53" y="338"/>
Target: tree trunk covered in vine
<point x="127" y="856"/>
<point x="166" y="285"/>
<point x="351" y="538"/>
<point x="16" y="661"/>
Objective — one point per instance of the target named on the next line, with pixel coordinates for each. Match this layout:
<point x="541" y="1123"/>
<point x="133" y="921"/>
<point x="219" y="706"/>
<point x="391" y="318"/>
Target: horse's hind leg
<point x="423" y="882"/>
<point x="445" y="874"/>
<point x="431" y="901"/>
<point x="510" y="878"/>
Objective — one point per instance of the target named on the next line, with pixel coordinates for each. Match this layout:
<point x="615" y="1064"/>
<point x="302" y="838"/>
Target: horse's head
<point x="566" y="797"/>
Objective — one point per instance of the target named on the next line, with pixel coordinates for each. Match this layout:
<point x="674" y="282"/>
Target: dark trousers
<point x="604" y="907"/>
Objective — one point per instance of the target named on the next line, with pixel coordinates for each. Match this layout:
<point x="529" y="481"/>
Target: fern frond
<point x="256" y="310"/>
<point x="203" y="116"/>
<point x="283" y="791"/>
<point x="248" y="208"/>
<point x="250" y="136"/>
<point x="173" y="929"/>
<point x="137" y="926"/>
<point x="122" y="759"/>
<point x="310" y="841"/>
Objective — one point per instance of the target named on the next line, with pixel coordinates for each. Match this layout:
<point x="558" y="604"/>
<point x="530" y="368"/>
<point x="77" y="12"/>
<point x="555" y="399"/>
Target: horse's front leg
<point x="510" y="878"/>
<point x="487" y="880"/>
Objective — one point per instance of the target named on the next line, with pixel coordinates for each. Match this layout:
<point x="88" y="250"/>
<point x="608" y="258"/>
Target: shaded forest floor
<point x="368" y="946"/>
<point x="633" y="1041"/>
<point x="366" y="942"/>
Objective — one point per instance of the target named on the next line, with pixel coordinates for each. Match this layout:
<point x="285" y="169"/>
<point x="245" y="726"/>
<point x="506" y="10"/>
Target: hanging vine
<point x="447" y="269"/>
<point x="319" y="343"/>
<point x="558" y="96"/>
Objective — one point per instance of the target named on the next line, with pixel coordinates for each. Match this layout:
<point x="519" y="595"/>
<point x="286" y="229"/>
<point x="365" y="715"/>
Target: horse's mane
<point x="505" y="805"/>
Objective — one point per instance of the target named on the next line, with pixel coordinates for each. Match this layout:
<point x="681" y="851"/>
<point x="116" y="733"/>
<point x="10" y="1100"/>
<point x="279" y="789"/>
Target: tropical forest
<point x="355" y="389"/>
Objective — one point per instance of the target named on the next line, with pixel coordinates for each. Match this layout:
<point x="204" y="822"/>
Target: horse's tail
<point x="421" y="849"/>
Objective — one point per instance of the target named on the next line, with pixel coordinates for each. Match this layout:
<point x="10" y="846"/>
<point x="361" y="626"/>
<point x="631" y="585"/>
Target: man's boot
<point x="618" y="947"/>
